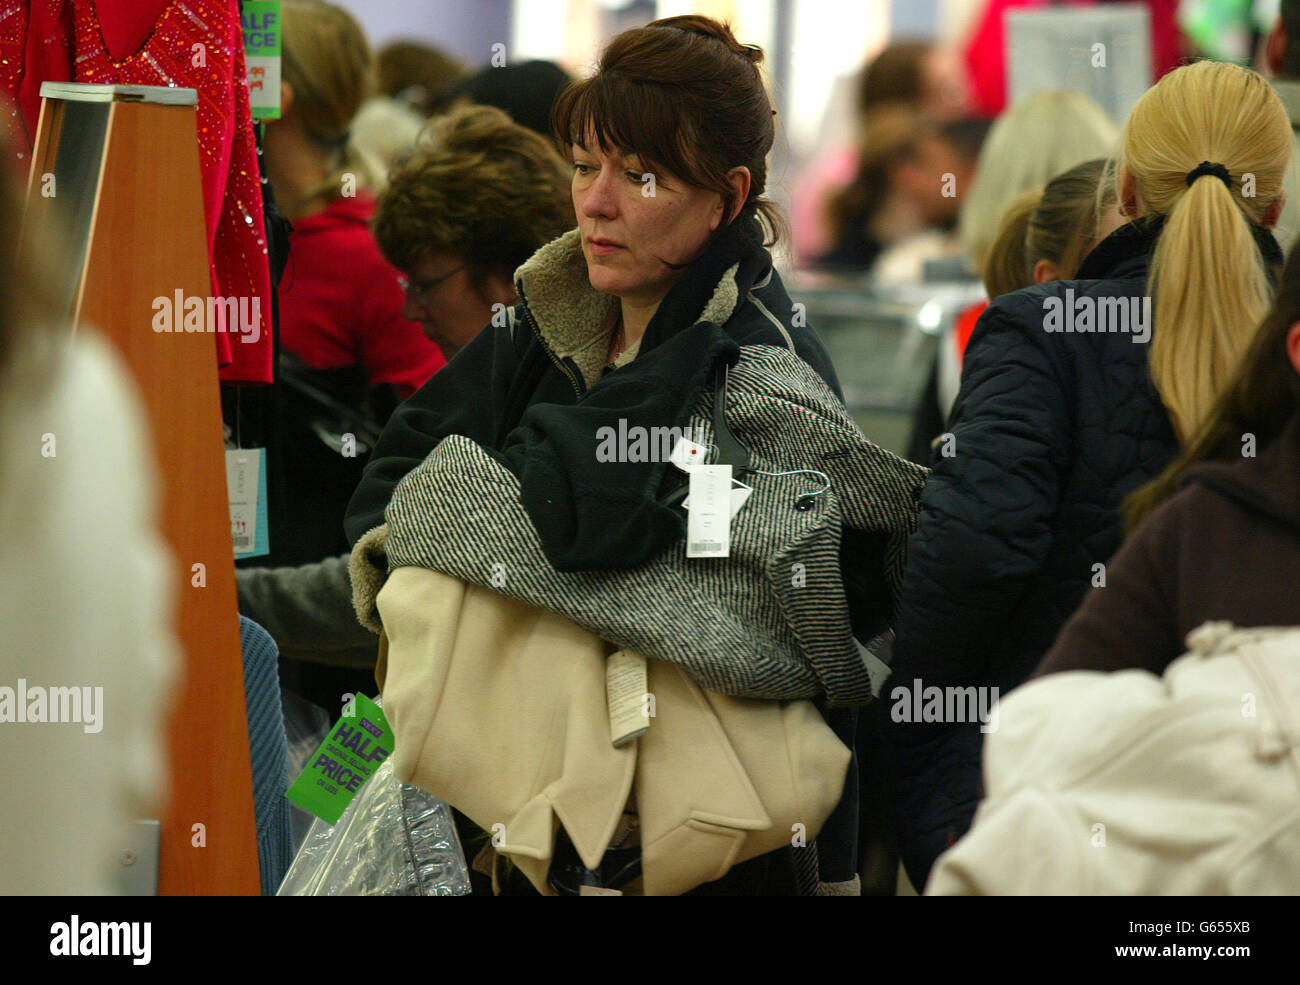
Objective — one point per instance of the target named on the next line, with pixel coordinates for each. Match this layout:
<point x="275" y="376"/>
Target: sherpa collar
<point x="575" y="320"/>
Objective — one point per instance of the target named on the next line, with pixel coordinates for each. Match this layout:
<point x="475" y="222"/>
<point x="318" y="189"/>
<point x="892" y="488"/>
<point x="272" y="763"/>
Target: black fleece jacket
<point x="508" y="391"/>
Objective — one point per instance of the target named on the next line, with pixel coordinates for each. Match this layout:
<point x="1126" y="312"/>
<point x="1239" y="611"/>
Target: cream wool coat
<point x="500" y="709"/>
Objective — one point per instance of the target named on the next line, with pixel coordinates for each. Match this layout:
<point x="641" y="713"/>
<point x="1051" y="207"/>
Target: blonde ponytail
<point x="1210" y="289"/>
<point x="1209" y="282"/>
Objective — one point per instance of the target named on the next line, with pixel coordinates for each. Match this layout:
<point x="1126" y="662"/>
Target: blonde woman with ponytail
<point x="1074" y="393"/>
<point x="1206" y="149"/>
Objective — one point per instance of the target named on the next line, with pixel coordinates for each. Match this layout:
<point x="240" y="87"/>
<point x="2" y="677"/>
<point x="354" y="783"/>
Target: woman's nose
<point x="599" y="198"/>
<point x="412" y="309"/>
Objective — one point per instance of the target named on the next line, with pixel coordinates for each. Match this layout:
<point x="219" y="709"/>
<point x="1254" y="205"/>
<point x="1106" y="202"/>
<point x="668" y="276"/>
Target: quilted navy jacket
<point x="1049" y="432"/>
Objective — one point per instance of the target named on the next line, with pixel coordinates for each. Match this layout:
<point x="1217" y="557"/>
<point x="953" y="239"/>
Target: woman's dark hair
<point x="684" y="96"/>
<point x="417" y="74"/>
<point x="896" y="75"/>
<point x="526" y="92"/>
<point x="1261" y="399"/>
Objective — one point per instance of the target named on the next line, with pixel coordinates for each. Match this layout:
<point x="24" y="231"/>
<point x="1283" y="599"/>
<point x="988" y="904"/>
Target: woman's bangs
<point x="625" y="117"/>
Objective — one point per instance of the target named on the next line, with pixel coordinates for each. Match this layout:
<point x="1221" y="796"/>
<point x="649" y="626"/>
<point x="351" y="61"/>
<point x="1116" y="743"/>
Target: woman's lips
<point x="604" y="247"/>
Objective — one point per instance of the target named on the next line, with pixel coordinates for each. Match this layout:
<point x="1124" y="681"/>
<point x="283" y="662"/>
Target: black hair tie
<point x="1205" y="167"/>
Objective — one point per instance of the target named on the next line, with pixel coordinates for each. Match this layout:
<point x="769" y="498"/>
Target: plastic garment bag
<point x="393" y="840"/>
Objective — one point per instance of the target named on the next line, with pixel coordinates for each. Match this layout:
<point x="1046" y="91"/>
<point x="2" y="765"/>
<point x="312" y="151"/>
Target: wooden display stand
<point x="125" y="166"/>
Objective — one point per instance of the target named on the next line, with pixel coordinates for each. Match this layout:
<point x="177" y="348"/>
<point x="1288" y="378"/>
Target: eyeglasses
<point x="421" y="292"/>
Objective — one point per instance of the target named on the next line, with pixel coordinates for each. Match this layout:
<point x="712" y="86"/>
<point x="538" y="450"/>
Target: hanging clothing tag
<point x="739" y="494"/>
<point x="246" y="487"/>
<point x="708" y="522"/>
<point x="687" y="455"/>
<point x="627" y="693"/>
<point x="260" y="20"/>
<point x="356" y="746"/>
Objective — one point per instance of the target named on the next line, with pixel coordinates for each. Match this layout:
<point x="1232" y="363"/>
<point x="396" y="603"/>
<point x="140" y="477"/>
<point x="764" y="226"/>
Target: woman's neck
<point x="635" y="319"/>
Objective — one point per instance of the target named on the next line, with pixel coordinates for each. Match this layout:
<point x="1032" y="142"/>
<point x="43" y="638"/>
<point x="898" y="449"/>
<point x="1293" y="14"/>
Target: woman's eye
<point x="635" y="177"/>
<point x="581" y="169"/>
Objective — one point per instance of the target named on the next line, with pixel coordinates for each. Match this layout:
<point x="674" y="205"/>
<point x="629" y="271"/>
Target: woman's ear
<point x="1128" y="203"/>
<point x="1045" y="270"/>
<point x="1293" y="346"/>
<point x="739" y="179"/>
<point x="1274" y="211"/>
<point x="286" y="98"/>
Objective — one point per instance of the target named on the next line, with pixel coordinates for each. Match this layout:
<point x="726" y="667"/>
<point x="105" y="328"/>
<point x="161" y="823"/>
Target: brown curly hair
<point x="476" y="186"/>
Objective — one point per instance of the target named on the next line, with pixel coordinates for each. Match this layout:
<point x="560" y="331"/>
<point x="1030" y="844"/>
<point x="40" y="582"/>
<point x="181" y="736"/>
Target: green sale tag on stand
<point x="261" y="22"/>
<point x="354" y="749"/>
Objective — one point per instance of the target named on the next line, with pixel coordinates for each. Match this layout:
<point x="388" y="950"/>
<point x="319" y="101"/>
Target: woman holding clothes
<point x="1058" y="420"/>
<point x="625" y="323"/>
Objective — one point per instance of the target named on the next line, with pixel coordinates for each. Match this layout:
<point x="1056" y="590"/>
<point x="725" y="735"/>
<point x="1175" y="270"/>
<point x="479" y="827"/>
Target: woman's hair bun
<point x="710" y="28"/>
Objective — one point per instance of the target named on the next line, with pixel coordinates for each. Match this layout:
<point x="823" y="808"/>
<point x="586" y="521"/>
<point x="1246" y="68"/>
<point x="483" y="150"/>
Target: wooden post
<point x="125" y="161"/>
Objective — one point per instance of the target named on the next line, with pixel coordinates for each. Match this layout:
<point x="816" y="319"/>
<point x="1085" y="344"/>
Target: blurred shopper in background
<point x="1282" y="55"/>
<point x="478" y="197"/>
<point x="413" y="81"/>
<point x="907" y="78"/>
<point x="1029" y="145"/>
<point x="911" y="176"/>
<point x="1046" y="233"/>
<point x="89" y="586"/>
<point x="385" y="129"/>
<point x="347" y="355"/>
<point x="416" y="75"/>
<point x="526" y="92"/>
<point x="1054" y="425"/>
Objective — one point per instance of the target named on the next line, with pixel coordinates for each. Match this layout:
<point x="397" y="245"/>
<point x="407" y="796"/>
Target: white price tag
<point x="739" y="494"/>
<point x="687" y="455"/>
<point x="242" y="468"/>
<point x="626" y="691"/>
<point x="708" y="522"/>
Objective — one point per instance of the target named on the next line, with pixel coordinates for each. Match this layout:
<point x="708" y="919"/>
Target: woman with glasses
<point x="477" y="197"/>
